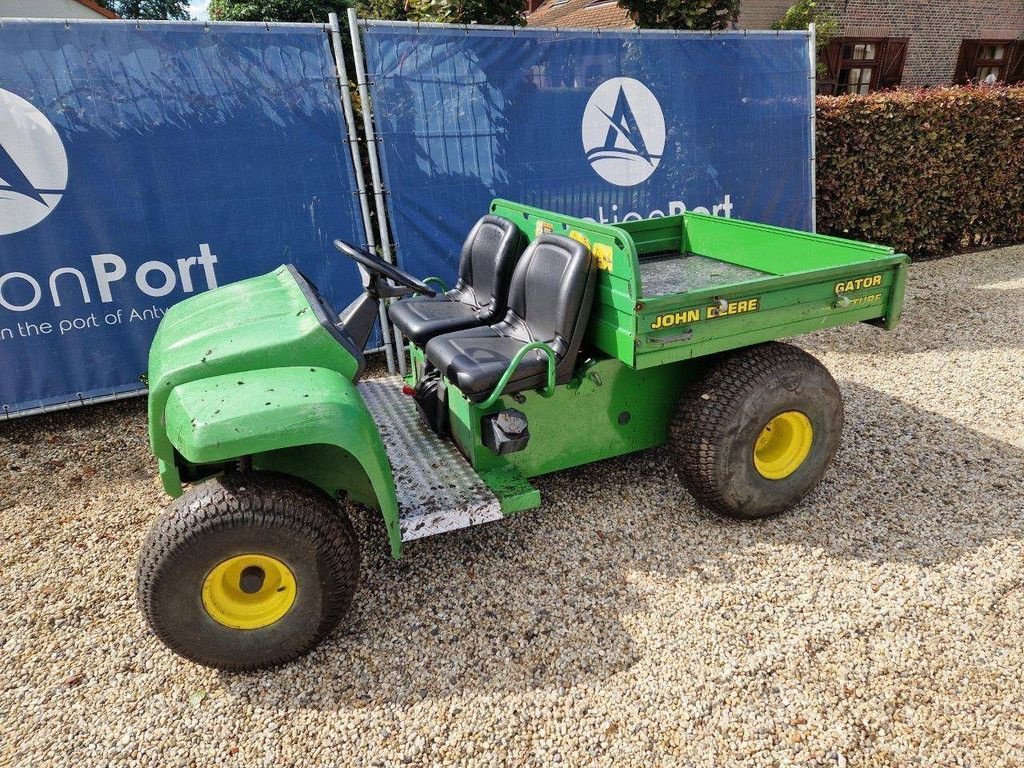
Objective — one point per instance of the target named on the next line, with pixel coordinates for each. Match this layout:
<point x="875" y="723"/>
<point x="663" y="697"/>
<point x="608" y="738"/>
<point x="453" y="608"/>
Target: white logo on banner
<point x="33" y="165"/>
<point x="623" y="131"/>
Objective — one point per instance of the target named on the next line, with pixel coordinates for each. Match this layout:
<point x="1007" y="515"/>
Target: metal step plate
<point x="437" y="489"/>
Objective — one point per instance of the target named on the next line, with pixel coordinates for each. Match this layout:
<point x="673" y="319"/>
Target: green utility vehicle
<point x="563" y="342"/>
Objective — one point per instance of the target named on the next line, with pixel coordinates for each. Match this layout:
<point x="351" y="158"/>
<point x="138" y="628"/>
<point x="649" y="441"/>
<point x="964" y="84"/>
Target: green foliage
<point x="682" y="14"/>
<point x="804" y="12"/>
<point x="315" y="11"/>
<point x="468" y="11"/>
<point x="147" y="9"/>
<point x="464" y="12"/>
<point x="929" y="172"/>
<point x="381" y="9"/>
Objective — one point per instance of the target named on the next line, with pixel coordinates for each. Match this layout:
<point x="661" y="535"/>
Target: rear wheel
<point x="756" y="431"/>
<point x="248" y="571"/>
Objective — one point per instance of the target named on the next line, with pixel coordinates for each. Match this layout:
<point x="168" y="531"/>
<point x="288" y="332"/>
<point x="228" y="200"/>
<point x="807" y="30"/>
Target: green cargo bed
<point x="672" y="272"/>
<point x="679" y="287"/>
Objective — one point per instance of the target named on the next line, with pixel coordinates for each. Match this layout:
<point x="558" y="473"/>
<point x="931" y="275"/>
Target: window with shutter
<point x="857" y="65"/>
<point x="988" y="62"/>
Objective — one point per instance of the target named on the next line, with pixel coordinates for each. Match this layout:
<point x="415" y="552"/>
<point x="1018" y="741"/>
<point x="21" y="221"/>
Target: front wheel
<point x="756" y="431"/>
<point x="248" y="571"/>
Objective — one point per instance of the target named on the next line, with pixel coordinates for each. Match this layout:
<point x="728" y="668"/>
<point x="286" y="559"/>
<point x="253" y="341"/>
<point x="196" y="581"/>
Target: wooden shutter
<point x="1014" y="63"/>
<point x="968" y="61"/>
<point x="831" y="57"/>
<point x="891" y="60"/>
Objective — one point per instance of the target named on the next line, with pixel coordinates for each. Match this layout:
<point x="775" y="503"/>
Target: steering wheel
<point x="378" y="266"/>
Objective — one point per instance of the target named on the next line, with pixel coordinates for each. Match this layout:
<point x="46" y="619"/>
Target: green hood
<point x="272" y="321"/>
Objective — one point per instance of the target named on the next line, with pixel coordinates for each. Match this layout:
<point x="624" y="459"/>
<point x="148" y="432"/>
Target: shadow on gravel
<point x="75" y="453"/>
<point x="910" y="485"/>
<point x="543" y="601"/>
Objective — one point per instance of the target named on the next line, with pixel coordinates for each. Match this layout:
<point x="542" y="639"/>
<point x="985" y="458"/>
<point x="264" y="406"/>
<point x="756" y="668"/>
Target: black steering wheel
<point x="380" y="267"/>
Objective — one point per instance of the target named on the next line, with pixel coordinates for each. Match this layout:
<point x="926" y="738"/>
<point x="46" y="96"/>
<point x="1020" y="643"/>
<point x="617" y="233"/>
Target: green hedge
<point x="929" y="172"/>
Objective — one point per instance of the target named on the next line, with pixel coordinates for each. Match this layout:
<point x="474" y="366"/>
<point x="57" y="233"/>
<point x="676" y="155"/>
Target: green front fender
<point x="305" y="421"/>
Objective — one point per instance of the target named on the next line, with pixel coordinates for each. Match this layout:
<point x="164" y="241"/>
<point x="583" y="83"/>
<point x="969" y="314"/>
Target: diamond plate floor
<point x="437" y="488"/>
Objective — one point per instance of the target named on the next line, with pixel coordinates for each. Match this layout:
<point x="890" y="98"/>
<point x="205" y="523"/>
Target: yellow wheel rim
<point x="783" y="445"/>
<point x="249" y="591"/>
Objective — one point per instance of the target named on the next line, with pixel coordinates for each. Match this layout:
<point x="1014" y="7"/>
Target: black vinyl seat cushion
<point x="549" y="300"/>
<point x="480" y="295"/>
<point x="474" y="360"/>
<point x="421" y="318"/>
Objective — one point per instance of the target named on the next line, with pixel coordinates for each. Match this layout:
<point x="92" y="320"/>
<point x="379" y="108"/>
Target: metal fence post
<point x="357" y="164"/>
<point x="813" y="78"/>
<point x="371" y="142"/>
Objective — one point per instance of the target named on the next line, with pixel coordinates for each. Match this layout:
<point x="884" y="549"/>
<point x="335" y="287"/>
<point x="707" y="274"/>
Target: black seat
<point x="479" y="297"/>
<point x="549" y="300"/>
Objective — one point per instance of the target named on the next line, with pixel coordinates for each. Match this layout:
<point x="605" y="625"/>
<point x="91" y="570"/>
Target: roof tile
<point x="580" y="13"/>
<point x="94" y="6"/>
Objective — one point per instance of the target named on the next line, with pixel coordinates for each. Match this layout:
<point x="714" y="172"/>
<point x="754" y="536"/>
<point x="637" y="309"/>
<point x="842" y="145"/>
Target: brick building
<point x="885" y="43"/>
<point x="882" y="43"/>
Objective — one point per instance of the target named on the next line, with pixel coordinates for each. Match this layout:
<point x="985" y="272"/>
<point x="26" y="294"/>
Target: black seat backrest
<point x="550" y="296"/>
<point x="488" y="258"/>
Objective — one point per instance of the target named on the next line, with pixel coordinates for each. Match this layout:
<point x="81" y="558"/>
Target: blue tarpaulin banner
<point x="141" y="163"/>
<point x="606" y="125"/>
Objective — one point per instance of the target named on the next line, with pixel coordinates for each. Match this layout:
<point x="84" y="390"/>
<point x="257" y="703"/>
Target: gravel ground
<point x="880" y="623"/>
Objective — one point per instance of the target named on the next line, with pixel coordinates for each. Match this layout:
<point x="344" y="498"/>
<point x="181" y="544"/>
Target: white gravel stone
<point x="879" y="623"/>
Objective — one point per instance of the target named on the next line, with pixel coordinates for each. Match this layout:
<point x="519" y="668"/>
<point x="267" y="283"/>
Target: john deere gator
<point x="562" y="342"/>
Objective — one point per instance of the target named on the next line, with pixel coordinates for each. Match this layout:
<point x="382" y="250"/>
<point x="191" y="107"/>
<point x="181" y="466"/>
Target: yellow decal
<point x="579" y="237"/>
<point x="542" y="228"/>
<point x="729" y="308"/>
<point x="675" y="318"/>
<point x="859" y="301"/>
<point x="725" y="309"/>
<point x="603" y="254"/>
<point x="844" y="286"/>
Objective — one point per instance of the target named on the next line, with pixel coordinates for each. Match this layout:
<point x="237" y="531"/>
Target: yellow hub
<point x="783" y="445"/>
<point x="249" y="591"/>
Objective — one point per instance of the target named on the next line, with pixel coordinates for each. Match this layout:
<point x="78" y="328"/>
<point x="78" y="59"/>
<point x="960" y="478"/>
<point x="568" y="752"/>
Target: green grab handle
<point x="548" y="391"/>
<point x="438" y="280"/>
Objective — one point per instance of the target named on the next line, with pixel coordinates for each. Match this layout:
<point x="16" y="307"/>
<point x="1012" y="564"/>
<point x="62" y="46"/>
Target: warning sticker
<point x="603" y="256"/>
